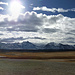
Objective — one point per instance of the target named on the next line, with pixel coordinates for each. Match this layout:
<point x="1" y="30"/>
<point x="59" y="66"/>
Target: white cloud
<point x="4" y="3"/>
<point x="44" y="8"/>
<point x="73" y="9"/>
<point x="1" y="8"/>
<point x="22" y="6"/>
<point x="55" y="28"/>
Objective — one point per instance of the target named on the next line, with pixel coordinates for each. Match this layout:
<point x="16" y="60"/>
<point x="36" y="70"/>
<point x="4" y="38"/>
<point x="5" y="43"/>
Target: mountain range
<point x="30" y="46"/>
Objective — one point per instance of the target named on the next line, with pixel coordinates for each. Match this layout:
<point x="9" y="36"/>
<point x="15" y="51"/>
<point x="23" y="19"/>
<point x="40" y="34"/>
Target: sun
<point x="15" y="8"/>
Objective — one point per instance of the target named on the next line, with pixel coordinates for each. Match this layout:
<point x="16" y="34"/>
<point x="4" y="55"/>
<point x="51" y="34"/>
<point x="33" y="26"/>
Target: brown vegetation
<point x="39" y="55"/>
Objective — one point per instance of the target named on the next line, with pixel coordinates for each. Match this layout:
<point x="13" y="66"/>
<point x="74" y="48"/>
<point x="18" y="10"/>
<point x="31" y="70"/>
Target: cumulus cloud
<point x="3" y="3"/>
<point x="28" y="22"/>
<point x="46" y="28"/>
<point x="44" y="8"/>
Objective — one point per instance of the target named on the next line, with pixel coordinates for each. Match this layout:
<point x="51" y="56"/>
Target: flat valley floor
<point x="53" y="63"/>
<point x="35" y="67"/>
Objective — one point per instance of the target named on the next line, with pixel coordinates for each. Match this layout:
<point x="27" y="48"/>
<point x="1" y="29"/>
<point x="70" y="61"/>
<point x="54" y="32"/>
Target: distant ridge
<point x="30" y="46"/>
<point x="56" y="46"/>
<point x="23" y="45"/>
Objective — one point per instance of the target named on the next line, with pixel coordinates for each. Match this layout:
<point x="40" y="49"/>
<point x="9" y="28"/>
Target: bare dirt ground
<point x="35" y="67"/>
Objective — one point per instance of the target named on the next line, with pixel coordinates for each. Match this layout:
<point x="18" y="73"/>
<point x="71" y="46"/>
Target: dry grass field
<point x="65" y="56"/>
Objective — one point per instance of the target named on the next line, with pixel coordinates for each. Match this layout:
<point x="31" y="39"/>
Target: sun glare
<point x="15" y="8"/>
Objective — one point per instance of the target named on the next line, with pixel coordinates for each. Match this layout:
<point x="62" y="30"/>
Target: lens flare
<point x="15" y="8"/>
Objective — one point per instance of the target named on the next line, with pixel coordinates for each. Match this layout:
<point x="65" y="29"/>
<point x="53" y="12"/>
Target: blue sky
<point x="48" y="3"/>
<point x="42" y="21"/>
